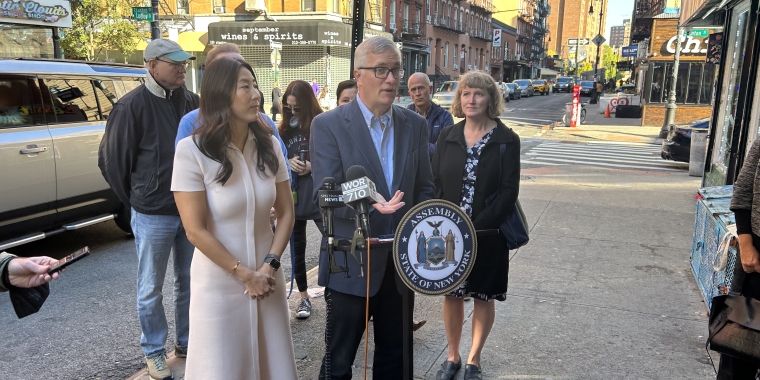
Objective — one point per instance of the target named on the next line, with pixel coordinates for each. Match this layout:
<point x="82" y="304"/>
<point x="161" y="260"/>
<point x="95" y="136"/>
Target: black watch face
<point x="274" y="263"/>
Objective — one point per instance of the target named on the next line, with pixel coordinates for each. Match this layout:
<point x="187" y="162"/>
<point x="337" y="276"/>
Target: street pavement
<point x="602" y="291"/>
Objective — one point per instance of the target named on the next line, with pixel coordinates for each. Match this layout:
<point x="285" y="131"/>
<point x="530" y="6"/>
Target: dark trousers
<point x="345" y="328"/>
<point x="299" y="248"/>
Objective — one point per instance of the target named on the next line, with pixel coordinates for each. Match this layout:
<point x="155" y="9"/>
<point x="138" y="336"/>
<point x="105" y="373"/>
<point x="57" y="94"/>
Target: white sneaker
<point x="304" y="309"/>
<point x="157" y="368"/>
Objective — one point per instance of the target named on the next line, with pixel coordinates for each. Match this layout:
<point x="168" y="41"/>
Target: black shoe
<point x="417" y="324"/>
<point x="472" y="372"/>
<point x="448" y="370"/>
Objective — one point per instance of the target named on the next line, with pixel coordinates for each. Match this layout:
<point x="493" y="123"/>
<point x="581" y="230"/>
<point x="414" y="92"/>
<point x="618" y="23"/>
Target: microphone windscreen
<point x="328" y="180"/>
<point x="355" y="172"/>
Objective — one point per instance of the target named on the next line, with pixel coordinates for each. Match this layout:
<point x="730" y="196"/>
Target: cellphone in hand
<point x="68" y="260"/>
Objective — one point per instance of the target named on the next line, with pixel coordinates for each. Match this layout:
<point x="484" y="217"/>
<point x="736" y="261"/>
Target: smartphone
<point x="70" y="259"/>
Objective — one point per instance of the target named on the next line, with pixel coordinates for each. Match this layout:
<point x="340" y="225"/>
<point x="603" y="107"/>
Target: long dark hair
<point x="308" y="104"/>
<point x="214" y="136"/>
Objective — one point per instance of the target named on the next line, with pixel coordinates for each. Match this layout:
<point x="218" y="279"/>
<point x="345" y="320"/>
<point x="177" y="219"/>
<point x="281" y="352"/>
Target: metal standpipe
<point x="697" y="152"/>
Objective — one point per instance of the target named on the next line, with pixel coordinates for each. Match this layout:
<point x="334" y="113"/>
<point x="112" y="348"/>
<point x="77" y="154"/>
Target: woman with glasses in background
<point x="299" y="109"/>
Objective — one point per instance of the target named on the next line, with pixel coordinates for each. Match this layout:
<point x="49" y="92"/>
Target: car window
<point x="538" y="82"/>
<point x="563" y="80"/>
<point x="129" y="85"/>
<point x="448" y="86"/>
<point x="522" y="82"/>
<point x="18" y="104"/>
<point x="74" y="99"/>
<point x="105" y="90"/>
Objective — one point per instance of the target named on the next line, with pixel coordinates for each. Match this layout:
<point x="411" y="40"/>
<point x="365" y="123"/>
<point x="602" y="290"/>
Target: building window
<point x="430" y="50"/>
<point x="393" y="12"/>
<point x="694" y="84"/>
<point x="183" y="7"/>
<point x="446" y="55"/>
<point x="406" y="16"/>
<point x="308" y="5"/>
<point x="469" y="57"/>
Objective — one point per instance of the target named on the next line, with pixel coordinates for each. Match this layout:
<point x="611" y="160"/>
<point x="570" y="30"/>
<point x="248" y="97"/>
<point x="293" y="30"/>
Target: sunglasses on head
<point x="292" y="109"/>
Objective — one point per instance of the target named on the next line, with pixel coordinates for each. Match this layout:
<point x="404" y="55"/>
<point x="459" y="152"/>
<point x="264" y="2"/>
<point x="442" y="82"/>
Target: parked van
<point x="52" y="117"/>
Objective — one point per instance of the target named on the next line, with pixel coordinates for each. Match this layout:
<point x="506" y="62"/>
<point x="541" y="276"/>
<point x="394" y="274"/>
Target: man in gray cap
<point x="136" y="157"/>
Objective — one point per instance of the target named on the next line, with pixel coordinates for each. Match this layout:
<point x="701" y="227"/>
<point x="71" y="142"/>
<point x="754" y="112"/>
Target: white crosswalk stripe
<point x="611" y="155"/>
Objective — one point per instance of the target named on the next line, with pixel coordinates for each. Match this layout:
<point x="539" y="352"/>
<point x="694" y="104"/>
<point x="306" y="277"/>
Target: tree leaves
<point x="100" y="26"/>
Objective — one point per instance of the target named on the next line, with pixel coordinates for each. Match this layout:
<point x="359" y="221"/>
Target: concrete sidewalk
<point x="602" y="291"/>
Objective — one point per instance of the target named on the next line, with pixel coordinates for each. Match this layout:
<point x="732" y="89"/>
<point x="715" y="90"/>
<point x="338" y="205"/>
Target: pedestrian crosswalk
<point x="604" y="154"/>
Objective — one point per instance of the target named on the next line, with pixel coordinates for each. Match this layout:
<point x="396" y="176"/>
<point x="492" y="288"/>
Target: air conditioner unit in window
<point x="455" y="66"/>
<point x="427" y="18"/>
<point x="219" y="10"/>
<point x="393" y="26"/>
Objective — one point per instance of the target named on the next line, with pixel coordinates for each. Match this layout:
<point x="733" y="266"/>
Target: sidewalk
<point x="602" y="291"/>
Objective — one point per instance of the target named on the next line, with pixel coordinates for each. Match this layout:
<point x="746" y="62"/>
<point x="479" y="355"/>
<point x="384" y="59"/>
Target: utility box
<point x="697" y="152"/>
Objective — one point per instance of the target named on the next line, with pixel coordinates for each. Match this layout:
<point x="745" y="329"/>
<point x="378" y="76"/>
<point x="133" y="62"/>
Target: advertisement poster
<point x="714" y="48"/>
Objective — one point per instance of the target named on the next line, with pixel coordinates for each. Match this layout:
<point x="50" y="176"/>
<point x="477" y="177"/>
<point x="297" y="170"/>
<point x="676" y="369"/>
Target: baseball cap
<point x="166" y="48"/>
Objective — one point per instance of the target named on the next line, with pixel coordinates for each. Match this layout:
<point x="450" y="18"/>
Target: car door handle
<point x="30" y="149"/>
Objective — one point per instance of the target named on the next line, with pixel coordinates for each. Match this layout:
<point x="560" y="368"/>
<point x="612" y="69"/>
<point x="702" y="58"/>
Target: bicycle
<point x="583" y="114"/>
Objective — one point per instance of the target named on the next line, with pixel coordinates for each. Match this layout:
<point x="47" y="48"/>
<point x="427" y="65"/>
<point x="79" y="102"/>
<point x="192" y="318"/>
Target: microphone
<point x="359" y="193"/>
<point x="303" y="150"/>
<point x="331" y="198"/>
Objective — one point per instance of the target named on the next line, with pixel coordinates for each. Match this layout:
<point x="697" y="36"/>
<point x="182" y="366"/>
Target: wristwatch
<point x="272" y="260"/>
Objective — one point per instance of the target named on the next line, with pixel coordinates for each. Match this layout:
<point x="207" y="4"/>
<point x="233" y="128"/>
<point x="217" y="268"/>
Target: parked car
<point x="564" y="84"/>
<point x="587" y="87"/>
<point x="542" y="86"/>
<point x="504" y="91"/>
<point x="52" y="117"/>
<point x="677" y="145"/>
<point x="515" y="92"/>
<point x="444" y="97"/>
<point x="526" y="85"/>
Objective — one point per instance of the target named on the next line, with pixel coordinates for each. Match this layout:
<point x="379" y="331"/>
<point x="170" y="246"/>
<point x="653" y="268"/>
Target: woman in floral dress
<point x="477" y="166"/>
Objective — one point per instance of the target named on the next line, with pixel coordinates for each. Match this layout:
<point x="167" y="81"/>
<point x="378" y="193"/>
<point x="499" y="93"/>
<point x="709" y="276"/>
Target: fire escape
<point x="644" y="12"/>
<point x="181" y="20"/>
<point x="414" y="29"/>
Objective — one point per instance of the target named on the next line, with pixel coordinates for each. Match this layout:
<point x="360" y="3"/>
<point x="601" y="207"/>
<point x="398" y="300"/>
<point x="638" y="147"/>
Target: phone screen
<point x="70" y="259"/>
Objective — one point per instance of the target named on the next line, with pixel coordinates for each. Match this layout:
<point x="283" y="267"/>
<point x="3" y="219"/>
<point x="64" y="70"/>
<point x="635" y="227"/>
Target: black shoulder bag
<point x="515" y="226"/>
<point x="734" y="328"/>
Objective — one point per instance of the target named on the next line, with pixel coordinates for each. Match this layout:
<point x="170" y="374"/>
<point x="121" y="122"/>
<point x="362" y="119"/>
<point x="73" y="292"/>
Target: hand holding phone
<point x="68" y="260"/>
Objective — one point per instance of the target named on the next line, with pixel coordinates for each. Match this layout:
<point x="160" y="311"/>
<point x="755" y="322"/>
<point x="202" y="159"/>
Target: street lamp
<point x="598" y="47"/>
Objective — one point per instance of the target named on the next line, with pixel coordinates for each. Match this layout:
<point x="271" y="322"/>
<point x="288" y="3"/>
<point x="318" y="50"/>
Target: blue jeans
<point x="155" y="236"/>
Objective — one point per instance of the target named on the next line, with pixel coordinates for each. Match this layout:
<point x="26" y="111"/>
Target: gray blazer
<point x="340" y="139"/>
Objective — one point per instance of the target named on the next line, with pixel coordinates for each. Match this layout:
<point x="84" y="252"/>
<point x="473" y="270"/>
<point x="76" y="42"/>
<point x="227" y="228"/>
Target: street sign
<point x="575" y="41"/>
<point x="496" y="38"/>
<point x="142" y="13"/>
<point x="699" y="33"/>
<point x="275" y="58"/>
<point x="275" y="45"/>
<point x="598" y="40"/>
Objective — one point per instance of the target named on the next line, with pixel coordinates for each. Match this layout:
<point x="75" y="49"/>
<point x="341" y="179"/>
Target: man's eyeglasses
<point x="382" y="72"/>
<point x="292" y="109"/>
<point x="175" y="64"/>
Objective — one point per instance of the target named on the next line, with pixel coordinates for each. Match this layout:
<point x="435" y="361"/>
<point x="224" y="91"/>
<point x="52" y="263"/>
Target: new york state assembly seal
<point x="435" y="247"/>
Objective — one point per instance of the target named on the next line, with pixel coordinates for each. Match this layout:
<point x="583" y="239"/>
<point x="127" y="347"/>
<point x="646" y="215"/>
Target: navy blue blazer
<point x="340" y="139"/>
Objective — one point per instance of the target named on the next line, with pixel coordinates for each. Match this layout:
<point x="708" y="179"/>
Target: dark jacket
<point x="340" y="139"/>
<point x="306" y="208"/>
<point x="136" y="154"/>
<point x="437" y="118"/>
<point x="448" y="169"/>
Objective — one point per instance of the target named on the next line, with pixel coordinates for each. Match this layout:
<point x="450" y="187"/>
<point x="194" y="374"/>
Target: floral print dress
<point x="468" y="192"/>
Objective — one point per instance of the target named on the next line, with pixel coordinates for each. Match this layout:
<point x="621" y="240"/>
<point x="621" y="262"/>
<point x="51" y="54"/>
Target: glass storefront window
<point x="734" y="61"/>
<point x="658" y="82"/>
<point x="692" y="87"/>
<point x="708" y="87"/>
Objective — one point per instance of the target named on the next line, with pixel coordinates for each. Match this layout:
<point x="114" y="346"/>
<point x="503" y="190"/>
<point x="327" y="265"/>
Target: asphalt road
<point x="88" y="327"/>
<point x="536" y="111"/>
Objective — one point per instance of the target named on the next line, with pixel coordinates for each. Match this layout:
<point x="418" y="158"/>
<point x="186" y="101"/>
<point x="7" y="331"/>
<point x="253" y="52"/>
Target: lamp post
<point x="598" y="47"/>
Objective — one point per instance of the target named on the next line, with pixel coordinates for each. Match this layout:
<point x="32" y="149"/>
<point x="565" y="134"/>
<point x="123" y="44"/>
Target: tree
<point x="609" y="61"/>
<point x="97" y="26"/>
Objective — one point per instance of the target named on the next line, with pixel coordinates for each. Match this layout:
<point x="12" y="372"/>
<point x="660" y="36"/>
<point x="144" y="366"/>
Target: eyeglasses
<point x="292" y="109"/>
<point x="175" y="64"/>
<point x="382" y="72"/>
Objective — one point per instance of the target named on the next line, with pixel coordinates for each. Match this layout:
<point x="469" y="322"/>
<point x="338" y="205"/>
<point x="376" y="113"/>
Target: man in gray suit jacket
<point x="390" y="142"/>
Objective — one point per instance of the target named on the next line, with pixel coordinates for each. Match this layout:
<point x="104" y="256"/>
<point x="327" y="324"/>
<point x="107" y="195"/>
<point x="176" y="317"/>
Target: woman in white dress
<point x="226" y="178"/>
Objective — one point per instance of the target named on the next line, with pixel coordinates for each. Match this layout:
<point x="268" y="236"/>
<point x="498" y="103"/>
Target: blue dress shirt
<point x="382" y="138"/>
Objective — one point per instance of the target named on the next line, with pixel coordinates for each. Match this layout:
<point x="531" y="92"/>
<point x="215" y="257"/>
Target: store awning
<point x="706" y="15"/>
<point x="549" y="72"/>
<point x="193" y="41"/>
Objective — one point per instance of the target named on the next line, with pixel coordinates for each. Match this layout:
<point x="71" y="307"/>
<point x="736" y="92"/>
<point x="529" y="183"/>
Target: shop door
<point x="730" y="89"/>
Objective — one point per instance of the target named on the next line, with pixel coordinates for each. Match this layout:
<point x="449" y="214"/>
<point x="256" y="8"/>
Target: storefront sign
<point x="691" y="46"/>
<point x="50" y="13"/>
<point x="630" y="51"/>
<point x="288" y="33"/>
